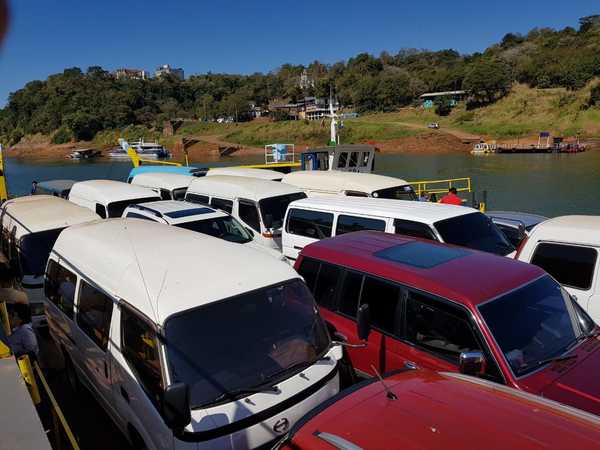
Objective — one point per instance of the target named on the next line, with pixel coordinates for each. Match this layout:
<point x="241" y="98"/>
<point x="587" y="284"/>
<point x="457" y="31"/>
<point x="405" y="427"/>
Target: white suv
<point x="200" y="218"/>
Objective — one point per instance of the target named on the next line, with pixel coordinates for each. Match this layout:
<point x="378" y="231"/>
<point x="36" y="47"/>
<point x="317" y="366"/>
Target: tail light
<point x="267" y="235"/>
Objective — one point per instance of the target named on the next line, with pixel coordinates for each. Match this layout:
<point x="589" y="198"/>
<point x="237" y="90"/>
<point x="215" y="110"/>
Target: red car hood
<point x="577" y="385"/>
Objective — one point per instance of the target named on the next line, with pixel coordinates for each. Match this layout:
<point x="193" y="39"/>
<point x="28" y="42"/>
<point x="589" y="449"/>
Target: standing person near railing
<point x="451" y="198"/>
<point x="23" y="340"/>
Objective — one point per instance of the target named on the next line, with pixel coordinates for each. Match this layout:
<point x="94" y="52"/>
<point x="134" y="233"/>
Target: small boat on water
<point x="148" y="150"/>
<point x="85" y="153"/>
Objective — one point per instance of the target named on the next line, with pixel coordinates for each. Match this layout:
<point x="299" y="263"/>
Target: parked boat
<point x="148" y="150"/>
<point x="85" y="153"/>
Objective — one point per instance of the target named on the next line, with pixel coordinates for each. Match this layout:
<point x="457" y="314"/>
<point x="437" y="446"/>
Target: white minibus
<point x="187" y="341"/>
<point x="170" y="186"/>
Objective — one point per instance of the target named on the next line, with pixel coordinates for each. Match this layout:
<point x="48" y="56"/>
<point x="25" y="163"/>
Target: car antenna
<point x="388" y="392"/>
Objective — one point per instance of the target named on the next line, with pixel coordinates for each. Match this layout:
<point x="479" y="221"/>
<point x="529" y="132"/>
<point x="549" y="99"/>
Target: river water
<point x="549" y="184"/>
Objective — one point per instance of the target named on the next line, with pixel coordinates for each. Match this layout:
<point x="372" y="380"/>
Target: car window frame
<point x="247" y="202"/>
<point x="76" y="319"/>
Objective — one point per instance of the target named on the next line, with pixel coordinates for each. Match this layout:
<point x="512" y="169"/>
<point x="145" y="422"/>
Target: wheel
<point x="71" y="375"/>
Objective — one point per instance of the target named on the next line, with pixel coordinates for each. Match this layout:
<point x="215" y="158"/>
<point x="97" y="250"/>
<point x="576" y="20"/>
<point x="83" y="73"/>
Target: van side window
<point x="342" y="160"/>
<point x="355" y="194"/>
<point x="140" y="349"/>
<point x="309" y="269"/>
<point x="197" y="198"/>
<point x="414" y="229"/>
<point x="384" y="304"/>
<point x="325" y="288"/>
<point x="438" y="328"/>
<point x="59" y="287"/>
<point x="312" y="224"/>
<point x="101" y="210"/>
<point x="349" y="294"/>
<point x="353" y="159"/>
<point x="249" y="214"/>
<point x="348" y="224"/>
<point x="220" y="203"/>
<point x="571" y="265"/>
<point x="93" y="314"/>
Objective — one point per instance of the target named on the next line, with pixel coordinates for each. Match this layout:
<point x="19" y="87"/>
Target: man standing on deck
<point x="451" y="198"/>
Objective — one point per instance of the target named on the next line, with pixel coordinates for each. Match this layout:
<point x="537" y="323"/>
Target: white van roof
<point x="37" y="213"/>
<point x="108" y="191"/>
<point x="163" y="270"/>
<point x="423" y="212"/>
<point x="233" y="187"/>
<point x="263" y="174"/>
<point x="338" y="181"/>
<point x="574" y="229"/>
<point x="162" y="180"/>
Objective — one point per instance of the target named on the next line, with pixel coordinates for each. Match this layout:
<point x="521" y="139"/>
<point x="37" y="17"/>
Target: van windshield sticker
<point x="421" y="254"/>
<point x="188" y="212"/>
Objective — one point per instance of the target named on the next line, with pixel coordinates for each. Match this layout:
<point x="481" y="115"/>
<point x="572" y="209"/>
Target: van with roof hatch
<point x="315" y="218"/>
<point x="109" y="198"/>
<point x="170" y="186"/>
<point x="351" y="184"/>
<point x="567" y="248"/>
<point x="424" y="410"/>
<point x="29" y="227"/>
<point x="449" y="308"/>
<point x="258" y="204"/>
<point x="201" y="219"/>
<point x="169" y="335"/>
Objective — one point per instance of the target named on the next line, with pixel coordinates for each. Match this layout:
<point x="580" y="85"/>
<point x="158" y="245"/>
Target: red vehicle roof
<point x="458" y="273"/>
<point x="445" y="411"/>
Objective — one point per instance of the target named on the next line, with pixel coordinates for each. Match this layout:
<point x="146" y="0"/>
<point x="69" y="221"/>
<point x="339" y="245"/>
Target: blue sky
<point x="253" y="35"/>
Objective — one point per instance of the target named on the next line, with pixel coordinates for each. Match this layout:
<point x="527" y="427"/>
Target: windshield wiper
<point x="298" y="367"/>
<point x="541" y="362"/>
<point x="237" y="393"/>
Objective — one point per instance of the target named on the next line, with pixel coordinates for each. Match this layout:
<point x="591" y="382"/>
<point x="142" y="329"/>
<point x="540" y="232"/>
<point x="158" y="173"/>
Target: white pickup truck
<point x="567" y="248"/>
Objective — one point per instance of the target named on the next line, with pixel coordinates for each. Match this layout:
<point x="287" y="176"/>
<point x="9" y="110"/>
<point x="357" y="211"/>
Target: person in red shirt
<point x="451" y="198"/>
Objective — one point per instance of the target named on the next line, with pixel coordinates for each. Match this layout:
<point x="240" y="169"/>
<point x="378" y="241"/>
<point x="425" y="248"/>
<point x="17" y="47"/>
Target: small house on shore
<point x="428" y="99"/>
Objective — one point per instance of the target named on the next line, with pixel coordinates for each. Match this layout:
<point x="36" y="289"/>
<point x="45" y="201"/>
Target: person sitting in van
<point x="23" y="340"/>
<point x="451" y="198"/>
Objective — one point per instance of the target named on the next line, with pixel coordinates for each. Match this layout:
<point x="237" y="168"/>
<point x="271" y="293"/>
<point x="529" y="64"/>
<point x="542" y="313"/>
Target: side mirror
<point x="363" y="322"/>
<point x="176" y="406"/>
<point x="268" y="220"/>
<point x="471" y="363"/>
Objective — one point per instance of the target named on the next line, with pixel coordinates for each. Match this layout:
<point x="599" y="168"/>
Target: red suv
<point x="423" y="410"/>
<point x="450" y="308"/>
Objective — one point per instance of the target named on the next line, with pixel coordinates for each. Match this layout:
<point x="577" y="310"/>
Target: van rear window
<point x="277" y="207"/>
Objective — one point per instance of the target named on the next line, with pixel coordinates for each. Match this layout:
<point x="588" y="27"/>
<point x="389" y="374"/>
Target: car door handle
<point x="124" y="394"/>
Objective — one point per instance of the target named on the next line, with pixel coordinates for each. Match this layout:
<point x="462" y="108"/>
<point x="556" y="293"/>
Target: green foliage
<point x="443" y="106"/>
<point x="594" y="96"/>
<point x="487" y="80"/>
<point x="62" y="136"/>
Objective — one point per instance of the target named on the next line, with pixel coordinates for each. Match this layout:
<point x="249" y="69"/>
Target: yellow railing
<point x="29" y="376"/>
<point x="442" y="186"/>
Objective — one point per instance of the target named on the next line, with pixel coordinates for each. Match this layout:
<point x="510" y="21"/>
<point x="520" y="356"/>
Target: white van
<point x="262" y="174"/>
<point x="187" y="341"/>
<point x="351" y="184"/>
<point x="316" y="218"/>
<point x="170" y="186"/>
<point x="109" y="198"/>
<point x="567" y="248"/>
<point x="30" y="226"/>
<point x="258" y="204"/>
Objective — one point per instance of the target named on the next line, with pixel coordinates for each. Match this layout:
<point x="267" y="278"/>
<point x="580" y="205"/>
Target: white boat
<point x="148" y="150"/>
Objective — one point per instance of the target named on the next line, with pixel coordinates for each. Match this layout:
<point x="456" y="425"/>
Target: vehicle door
<point x="137" y="376"/>
<point x="93" y="317"/>
<point x="60" y="286"/>
<point x="302" y="227"/>
<point x="346" y="223"/>
<point x="575" y="267"/>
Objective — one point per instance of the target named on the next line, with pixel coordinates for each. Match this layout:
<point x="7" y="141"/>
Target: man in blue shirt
<point x="23" y="340"/>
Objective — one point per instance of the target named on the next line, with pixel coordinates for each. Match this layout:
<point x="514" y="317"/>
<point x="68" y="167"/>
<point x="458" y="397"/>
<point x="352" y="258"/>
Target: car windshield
<point x="115" y="209"/>
<point x="277" y="206"/>
<point x="226" y="228"/>
<point x="246" y="341"/>
<point x="404" y="192"/>
<point x="179" y="194"/>
<point x="35" y="249"/>
<point x="534" y="323"/>
<point x="476" y="231"/>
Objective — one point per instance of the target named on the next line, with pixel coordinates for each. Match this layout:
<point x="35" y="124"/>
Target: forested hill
<point x="77" y="104"/>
